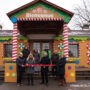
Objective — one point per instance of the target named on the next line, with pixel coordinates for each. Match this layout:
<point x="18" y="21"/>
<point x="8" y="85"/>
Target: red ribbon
<point x="50" y="65"/>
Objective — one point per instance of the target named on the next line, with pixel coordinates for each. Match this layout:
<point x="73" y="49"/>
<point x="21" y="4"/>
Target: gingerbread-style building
<point x="41" y="24"/>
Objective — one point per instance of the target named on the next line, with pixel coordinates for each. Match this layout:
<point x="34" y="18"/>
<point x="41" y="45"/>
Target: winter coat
<point x="30" y="69"/>
<point x="61" y="66"/>
<point x="25" y="52"/>
<point x="44" y="61"/>
<point x="55" y="58"/>
<point x="37" y="57"/>
<point x="19" y="62"/>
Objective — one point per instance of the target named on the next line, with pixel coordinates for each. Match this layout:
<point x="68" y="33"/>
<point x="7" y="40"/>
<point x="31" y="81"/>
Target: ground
<point x="53" y="85"/>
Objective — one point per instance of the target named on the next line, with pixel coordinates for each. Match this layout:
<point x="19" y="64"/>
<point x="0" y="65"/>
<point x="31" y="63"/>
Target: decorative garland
<point x="8" y="38"/>
<point x="88" y="53"/>
<point x="5" y="38"/>
<point x="22" y="38"/>
<point x="74" y="38"/>
<point x="79" y="38"/>
<point x="60" y="46"/>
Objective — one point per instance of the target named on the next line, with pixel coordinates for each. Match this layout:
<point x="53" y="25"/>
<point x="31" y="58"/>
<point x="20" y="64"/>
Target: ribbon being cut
<point x="50" y="65"/>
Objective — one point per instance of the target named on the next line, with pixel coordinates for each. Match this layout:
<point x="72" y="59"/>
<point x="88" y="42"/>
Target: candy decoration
<point x="65" y="42"/>
<point x="69" y="67"/>
<point x="39" y="19"/>
<point x="71" y="40"/>
<point x="11" y="67"/>
<point x="88" y="53"/>
<point x="14" y="75"/>
<point x="14" y="19"/>
<point x="77" y="61"/>
<point x="88" y="46"/>
<point x="14" y="48"/>
<point x="66" y="74"/>
<point x="7" y="74"/>
<point x="88" y="60"/>
<point x="21" y="46"/>
<point x="60" y="46"/>
<point x="72" y="74"/>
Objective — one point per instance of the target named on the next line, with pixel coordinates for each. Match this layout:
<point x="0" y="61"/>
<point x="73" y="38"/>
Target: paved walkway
<point x="53" y="85"/>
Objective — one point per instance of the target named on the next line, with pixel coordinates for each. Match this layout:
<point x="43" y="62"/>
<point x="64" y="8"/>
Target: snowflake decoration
<point x="21" y="45"/>
<point x="60" y="46"/>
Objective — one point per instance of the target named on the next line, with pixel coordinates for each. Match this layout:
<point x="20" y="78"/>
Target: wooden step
<point x="83" y="69"/>
<point x="1" y="73"/>
<point x="82" y="73"/>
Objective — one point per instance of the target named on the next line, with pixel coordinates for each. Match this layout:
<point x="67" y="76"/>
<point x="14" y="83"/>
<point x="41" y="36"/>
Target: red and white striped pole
<point x="88" y="53"/>
<point x="65" y="41"/>
<point x="14" y="47"/>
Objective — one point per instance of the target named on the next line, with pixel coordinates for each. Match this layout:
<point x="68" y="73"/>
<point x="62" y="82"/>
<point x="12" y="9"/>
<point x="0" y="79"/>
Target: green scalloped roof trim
<point x="22" y="38"/>
<point x="8" y="38"/>
<point x="5" y="38"/>
<point x="79" y="38"/>
<point x="75" y="38"/>
<point x="58" y="38"/>
<point x="64" y="15"/>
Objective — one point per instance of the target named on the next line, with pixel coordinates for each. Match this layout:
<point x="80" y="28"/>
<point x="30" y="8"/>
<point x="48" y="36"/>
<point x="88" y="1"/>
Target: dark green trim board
<point x="22" y="38"/>
<point x="8" y="38"/>
<point x="5" y="38"/>
<point x="75" y="38"/>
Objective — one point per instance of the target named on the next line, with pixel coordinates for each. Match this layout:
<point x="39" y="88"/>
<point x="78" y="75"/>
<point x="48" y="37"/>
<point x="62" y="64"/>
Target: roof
<point x="6" y="32"/>
<point x="36" y="1"/>
<point x="71" y="33"/>
<point x="79" y="33"/>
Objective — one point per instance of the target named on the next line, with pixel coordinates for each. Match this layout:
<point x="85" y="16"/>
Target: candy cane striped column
<point x="65" y="41"/>
<point x="14" y="47"/>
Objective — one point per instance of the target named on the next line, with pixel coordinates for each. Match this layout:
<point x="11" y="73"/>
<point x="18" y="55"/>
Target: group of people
<point x="26" y="62"/>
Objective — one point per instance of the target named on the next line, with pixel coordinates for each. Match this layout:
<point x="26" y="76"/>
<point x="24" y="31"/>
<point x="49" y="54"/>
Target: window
<point x="36" y="46"/>
<point x="45" y="46"/>
<point x="7" y="50"/>
<point x="73" y="50"/>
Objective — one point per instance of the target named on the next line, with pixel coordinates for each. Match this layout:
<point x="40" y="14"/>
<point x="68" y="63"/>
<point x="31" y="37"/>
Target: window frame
<point x="5" y="51"/>
<point x="77" y="50"/>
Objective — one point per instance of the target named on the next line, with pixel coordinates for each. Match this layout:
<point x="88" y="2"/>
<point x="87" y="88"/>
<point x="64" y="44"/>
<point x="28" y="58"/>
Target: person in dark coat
<point x="54" y="60"/>
<point x="30" y="69"/>
<point x="20" y="62"/>
<point x="25" y="52"/>
<point x="61" y="70"/>
<point x="44" y="69"/>
<point x="37" y="60"/>
<point x="36" y="56"/>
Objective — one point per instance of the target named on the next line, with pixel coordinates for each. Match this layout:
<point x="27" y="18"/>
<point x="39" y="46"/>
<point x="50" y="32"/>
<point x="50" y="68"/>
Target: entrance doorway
<point x="40" y="45"/>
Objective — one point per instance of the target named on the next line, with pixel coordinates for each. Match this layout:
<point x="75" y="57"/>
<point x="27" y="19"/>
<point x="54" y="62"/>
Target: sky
<point x="9" y="5"/>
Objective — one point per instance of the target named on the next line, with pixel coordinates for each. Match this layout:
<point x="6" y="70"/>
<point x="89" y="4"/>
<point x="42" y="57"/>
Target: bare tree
<point x="82" y="15"/>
